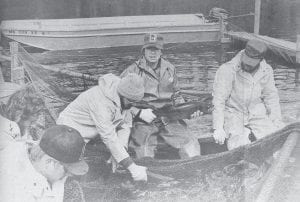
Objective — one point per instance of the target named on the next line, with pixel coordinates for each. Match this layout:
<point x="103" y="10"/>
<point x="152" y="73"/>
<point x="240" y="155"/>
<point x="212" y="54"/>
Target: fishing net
<point x="73" y="191"/>
<point x="56" y="95"/>
<point x="186" y="177"/>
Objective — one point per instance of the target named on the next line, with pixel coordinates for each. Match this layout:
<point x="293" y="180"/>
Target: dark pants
<point x="144" y="139"/>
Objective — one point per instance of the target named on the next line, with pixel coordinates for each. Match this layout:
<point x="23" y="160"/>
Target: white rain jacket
<point x="237" y="91"/>
<point x="20" y="181"/>
<point x="97" y="111"/>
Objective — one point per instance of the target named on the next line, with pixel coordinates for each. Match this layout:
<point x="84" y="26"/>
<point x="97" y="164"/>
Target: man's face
<point x="53" y="169"/>
<point x="249" y="68"/>
<point x="126" y="103"/>
<point x="152" y="54"/>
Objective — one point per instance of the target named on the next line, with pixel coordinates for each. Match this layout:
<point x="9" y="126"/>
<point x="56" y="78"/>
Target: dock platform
<point x="283" y="48"/>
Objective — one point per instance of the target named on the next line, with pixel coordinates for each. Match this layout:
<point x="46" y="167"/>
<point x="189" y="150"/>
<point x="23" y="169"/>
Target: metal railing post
<point x="17" y="71"/>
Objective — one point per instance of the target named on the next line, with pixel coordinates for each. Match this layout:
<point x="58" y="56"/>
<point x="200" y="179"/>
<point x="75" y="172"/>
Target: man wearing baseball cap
<point x="161" y="87"/>
<point x="246" y="101"/>
<point x="38" y="173"/>
<point x="103" y="111"/>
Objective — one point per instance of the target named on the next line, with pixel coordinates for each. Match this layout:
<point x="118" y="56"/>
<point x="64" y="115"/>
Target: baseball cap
<point x="254" y="52"/>
<point x="153" y="40"/>
<point x="66" y="145"/>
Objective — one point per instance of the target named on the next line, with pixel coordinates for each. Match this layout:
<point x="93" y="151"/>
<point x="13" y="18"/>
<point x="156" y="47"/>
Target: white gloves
<point x="138" y="173"/>
<point x="196" y="114"/>
<point x="220" y="136"/>
<point x="147" y="115"/>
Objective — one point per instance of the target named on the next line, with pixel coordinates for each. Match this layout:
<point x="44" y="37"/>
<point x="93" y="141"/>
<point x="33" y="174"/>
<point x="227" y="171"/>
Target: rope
<point x="243" y="15"/>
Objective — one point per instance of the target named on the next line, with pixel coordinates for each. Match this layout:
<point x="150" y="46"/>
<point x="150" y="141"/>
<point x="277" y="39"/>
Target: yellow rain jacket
<point x="238" y="93"/>
<point x="97" y="111"/>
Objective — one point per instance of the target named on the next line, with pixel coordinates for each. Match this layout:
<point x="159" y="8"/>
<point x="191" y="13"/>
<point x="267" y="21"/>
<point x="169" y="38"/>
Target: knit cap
<point x="131" y="87"/>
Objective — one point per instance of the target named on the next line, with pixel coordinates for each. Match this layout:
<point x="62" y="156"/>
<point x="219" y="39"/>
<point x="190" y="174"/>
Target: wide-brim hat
<point x="254" y="52"/>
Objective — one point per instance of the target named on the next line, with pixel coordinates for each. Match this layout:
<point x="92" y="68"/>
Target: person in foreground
<point x="245" y="98"/>
<point x="103" y="111"/>
<point x="38" y="172"/>
<point x="161" y="87"/>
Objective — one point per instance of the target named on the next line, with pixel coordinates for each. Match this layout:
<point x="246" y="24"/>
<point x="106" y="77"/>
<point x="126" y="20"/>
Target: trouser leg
<point x="261" y="126"/>
<point x="181" y="138"/>
<point x="143" y="139"/>
<point x="238" y="134"/>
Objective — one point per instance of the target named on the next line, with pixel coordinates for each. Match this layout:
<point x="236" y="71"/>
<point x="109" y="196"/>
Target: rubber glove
<point x="138" y="173"/>
<point x="196" y="114"/>
<point x="220" y="136"/>
<point x="147" y="115"/>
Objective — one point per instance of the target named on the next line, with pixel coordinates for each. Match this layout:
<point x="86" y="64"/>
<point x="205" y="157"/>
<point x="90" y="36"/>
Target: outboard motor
<point x="216" y="13"/>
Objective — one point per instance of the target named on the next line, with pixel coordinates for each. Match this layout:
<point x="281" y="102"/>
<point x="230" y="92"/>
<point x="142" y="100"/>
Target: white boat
<point x="83" y="33"/>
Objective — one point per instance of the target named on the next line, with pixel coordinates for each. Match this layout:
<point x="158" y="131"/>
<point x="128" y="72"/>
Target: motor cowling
<point x="218" y="13"/>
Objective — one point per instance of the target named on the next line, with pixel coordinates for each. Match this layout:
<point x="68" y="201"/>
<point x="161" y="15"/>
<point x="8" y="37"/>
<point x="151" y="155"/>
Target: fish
<point x="171" y="113"/>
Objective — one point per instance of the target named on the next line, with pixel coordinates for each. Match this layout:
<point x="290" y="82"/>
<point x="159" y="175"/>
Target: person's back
<point x="97" y="103"/>
<point x="102" y="111"/>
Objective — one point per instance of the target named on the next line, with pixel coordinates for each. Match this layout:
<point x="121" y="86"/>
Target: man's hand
<point x="147" y="115"/>
<point x="196" y="114"/>
<point x="219" y="136"/>
<point x="138" y="173"/>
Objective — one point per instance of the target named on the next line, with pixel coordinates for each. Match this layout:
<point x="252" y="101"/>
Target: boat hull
<point x="109" y="32"/>
<point x="228" y="170"/>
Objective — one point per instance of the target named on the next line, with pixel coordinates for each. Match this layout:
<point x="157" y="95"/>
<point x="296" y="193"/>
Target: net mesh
<point x="73" y="191"/>
<point x="55" y="96"/>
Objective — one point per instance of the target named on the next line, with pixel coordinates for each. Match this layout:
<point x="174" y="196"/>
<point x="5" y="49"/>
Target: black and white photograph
<point x="149" y="100"/>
